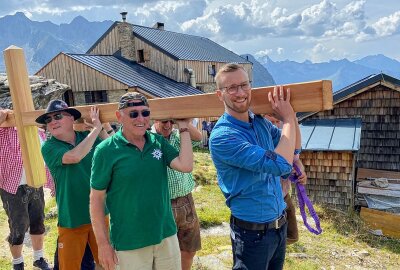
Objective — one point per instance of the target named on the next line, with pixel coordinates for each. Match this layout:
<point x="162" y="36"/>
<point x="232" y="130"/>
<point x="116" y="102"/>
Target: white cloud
<point x="319" y="48"/>
<point x="264" y="53"/>
<point x="317" y="18"/>
<point x="321" y="52"/>
<point x="270" y="52"/>
<point x="383" y="27"/>
<point x="388" y="25"/>
<point x="83" y="8"/>
<point x="202" y="24"/>
<point x="326" y="20"/>
<point x="259" y="18"/>
<point x="45" y="10"/>
<point x="172" y="13"/>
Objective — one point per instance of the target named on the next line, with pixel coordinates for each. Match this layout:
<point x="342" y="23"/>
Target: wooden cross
<point x="305" y="97"/>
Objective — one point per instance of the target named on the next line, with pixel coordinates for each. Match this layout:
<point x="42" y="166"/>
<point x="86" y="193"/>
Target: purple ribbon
<point x="304" y="200"/>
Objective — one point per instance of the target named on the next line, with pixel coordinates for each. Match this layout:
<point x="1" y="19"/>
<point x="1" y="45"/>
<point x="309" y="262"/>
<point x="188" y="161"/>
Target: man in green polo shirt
<point x="180" y="190"/>
<point x="129" y="175"/>
<point x="68" y="155"/>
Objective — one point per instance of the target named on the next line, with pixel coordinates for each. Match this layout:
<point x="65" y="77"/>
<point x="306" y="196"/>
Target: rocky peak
<point x="43" y="90"/>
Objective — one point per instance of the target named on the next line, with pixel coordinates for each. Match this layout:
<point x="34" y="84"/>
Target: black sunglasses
<point x="135" y="114"/>
<point x="166" y="121"/>
<point x="49" y="118"/>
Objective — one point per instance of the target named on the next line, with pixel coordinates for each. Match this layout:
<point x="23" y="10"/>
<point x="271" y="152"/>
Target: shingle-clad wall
<point x="330" y="174"/>
<point x="329" y="177"/>
<point x="379" y="108"/>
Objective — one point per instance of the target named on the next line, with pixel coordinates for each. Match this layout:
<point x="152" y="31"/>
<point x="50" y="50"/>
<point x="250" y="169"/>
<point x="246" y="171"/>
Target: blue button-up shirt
<point x="248" y="169"/>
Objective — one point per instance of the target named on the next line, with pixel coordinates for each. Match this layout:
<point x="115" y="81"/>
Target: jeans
<point x="258" y="250"/>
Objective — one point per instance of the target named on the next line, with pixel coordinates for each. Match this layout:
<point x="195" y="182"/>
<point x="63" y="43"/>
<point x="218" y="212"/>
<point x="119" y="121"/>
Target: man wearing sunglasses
<point x="129" y="174"/>
<point x="68" y="154"/>
<point x="250" y="155"/>
<point x="180" y="190"/>
<point x="24" y="205"/>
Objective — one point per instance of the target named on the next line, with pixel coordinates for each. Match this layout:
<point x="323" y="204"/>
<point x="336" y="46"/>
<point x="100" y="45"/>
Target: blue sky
<point x="318" y="30"/>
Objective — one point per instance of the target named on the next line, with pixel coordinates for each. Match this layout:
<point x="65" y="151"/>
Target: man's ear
<point x="118" y="115"/>
<point x="219" y="94"/>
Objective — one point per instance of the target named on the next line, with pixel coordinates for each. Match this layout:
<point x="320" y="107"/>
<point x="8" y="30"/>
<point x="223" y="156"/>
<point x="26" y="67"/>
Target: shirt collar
<point x="235" y="121"/>
<point x="120" y="137"/>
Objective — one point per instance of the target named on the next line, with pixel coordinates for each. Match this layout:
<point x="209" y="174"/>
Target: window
<point x="140" y="54"/>
<point x="92" y="97"/>
<point x="211" y="70"/>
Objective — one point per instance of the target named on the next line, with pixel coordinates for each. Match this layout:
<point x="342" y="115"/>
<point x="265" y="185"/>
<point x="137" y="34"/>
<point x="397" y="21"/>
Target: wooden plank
<point x="305" y="97"/>
<point x="21" y="96"/>
<point x="379" y="220"/>
<point x="377" y="191"/>
<point x="369" y="173"/>
<point x="368" y="184"/>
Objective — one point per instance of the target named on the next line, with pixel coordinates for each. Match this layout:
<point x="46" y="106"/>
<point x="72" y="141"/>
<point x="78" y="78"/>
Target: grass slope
<point x="344" y="244"/>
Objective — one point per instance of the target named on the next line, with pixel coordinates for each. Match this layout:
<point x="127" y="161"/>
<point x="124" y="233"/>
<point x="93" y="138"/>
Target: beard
<point x="238" y="108"/>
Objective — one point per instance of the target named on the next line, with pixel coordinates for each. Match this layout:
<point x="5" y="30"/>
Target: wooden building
<point x="332" y="159"/>
<point x="151" y="60"/>
<point x="180" y="57"/>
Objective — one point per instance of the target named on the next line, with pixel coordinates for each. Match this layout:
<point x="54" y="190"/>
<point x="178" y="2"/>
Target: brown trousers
<point x="292" y="231"/>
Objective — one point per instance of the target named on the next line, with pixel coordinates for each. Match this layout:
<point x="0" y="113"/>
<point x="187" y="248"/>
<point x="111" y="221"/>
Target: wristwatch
<point x="181" y="130"/>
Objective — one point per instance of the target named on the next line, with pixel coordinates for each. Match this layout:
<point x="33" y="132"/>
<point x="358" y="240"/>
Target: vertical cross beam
<point x="21" y="96"/>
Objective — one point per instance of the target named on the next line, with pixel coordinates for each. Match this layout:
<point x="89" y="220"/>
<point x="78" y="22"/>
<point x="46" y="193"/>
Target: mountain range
<point x="42" y="41"/>
<point x="342" y="72"/>
<point x="261" y="76"/>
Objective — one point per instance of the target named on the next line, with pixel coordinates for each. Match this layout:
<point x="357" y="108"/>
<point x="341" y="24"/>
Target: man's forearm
<point x="82" y="149"/>
<point x="195" y="134"/>
<point x="298" y="135"/>
<point x="286" y="144"/>
<point x="97" y="216"/>
<point x="186" y="152"/>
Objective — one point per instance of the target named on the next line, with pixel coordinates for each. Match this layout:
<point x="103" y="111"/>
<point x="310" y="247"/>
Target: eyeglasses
<point x="233" y="89"/>
<point x="135" y="114"/>
<point x="168" y="121"/>
<point x="57" y="116"/>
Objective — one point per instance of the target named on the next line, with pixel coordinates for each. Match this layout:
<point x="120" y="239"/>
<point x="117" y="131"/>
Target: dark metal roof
<point x="331" y="134"/>
<point x="354" y="87"/>
<point x="135" y="75"/>
<point x="186" y="47"/>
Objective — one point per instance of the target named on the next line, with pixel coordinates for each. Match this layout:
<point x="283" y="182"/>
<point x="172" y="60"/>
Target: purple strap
<point x="304" y="200"/>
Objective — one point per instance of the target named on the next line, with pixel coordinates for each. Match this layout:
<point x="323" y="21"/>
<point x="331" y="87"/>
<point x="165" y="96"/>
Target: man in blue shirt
<point x="250" y="155"/>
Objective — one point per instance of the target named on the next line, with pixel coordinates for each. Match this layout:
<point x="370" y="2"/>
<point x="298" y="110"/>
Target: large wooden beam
<point x="379" y="220"/>
<point x="22" y="102"/>
<point x="305" y="97"/>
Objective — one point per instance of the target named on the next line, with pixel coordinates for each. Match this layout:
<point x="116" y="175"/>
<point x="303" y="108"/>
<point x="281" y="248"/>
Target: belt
<point x="181" y="200"/>
<point x="252" y="226"/>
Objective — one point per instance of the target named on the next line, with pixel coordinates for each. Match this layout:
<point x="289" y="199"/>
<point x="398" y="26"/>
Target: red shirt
<point x="11" y="161"/>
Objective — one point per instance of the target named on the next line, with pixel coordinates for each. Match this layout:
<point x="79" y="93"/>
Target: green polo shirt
<point x="137" y="189"/>
<point x="180" y="184"/>
<point x="72" y="181"/>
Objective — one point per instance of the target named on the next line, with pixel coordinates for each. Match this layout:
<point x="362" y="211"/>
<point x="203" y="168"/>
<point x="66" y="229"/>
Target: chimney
<point x="126" y="39"/>
<point x="192" y="77"/>
<point x="159" y="26"/>
<point x="124" y="16"/>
